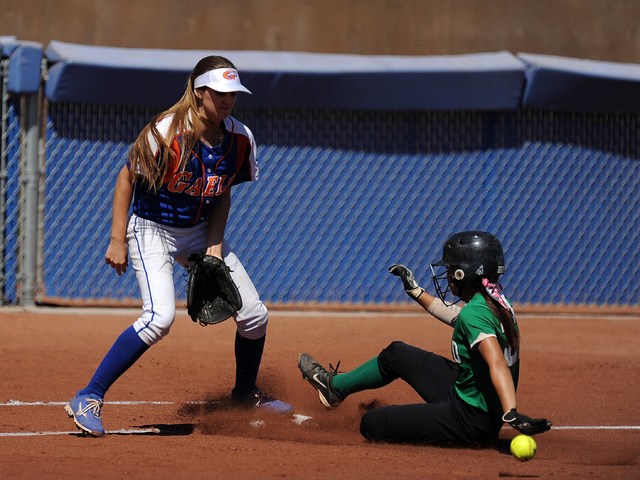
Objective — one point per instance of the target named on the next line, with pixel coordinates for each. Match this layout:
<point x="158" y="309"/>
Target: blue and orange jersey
<point x="186" y="196"/>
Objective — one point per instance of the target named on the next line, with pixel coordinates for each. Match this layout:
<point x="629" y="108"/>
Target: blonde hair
<point x="187" y="124"/>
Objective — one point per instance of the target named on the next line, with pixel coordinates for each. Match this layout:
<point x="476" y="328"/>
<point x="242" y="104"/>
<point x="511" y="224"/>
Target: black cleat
<point x="320" y="379"/>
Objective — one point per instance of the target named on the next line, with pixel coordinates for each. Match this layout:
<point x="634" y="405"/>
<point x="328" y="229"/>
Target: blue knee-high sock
<point x="126" y="350"/>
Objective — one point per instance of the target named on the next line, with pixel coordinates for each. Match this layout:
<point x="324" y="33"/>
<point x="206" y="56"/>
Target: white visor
<point x="221" y="80"/>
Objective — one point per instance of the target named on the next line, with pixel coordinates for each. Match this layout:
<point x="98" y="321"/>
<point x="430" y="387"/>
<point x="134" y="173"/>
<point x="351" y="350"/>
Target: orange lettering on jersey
<point x="214" y="186"/>
<point x="176" y="184"/>
<point x="172" y="161"/>
<point x="211" y="186"/>
<point x="195" y="189"/>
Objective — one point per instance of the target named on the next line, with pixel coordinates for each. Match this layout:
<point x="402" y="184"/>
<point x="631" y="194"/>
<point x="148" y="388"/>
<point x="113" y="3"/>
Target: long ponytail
<point x="505" y="316"/>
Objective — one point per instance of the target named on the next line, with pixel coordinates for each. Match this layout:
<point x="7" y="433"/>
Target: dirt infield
<point x="168" y="416"/>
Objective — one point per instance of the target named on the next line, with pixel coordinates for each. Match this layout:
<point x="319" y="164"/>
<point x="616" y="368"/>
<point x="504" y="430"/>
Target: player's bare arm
<point x="502" y="381"/>
<point x="218" y="224"/>
<point x="116" y="255"/>
<point x="501" y="377"/>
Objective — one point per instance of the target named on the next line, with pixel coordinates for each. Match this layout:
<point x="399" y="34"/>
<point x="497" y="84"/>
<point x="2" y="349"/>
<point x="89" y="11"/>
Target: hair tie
<point x="495" y="291"/>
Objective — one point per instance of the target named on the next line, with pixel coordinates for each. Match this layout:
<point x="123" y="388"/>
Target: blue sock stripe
<point x="144" y="268"/>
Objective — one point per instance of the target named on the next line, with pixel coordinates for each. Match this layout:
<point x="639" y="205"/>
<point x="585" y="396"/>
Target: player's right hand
<point x="524" y="424"/>
<point x="116" y="256"/>
<point x="408" y="282"/>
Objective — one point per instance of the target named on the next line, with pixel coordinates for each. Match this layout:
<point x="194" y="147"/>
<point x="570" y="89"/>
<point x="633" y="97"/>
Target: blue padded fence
<point x="353" y="176"/>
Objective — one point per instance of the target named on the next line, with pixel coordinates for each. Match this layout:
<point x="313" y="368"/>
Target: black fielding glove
<point x="212" y="295"/>
<point x="524" y="424"/>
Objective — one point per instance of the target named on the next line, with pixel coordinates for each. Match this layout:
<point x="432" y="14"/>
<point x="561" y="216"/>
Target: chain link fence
<point x="10" y="193"/>
<point x="344" y="194"/>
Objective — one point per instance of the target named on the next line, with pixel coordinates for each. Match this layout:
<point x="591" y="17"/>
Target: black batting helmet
<point x="469" y="256"/>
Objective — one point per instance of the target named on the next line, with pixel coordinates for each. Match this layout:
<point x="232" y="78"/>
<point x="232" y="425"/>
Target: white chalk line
<point x="131" y="431"/>
<point x="296" y="418"/>
<point x="596" y="427"/>
<point x="18" y="403"/>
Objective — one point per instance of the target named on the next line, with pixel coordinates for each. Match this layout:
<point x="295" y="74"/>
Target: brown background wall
<point x="590" y="29"/>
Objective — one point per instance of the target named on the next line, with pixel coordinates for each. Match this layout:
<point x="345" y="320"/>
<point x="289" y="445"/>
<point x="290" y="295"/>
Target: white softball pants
<point x="154" y="249"/>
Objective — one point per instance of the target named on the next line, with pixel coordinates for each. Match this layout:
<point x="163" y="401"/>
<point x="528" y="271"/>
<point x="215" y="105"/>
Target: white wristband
<point x="415" y="293"/>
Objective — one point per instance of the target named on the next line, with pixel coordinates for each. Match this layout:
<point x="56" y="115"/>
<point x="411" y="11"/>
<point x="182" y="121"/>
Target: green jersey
<point x="475" y="323"/>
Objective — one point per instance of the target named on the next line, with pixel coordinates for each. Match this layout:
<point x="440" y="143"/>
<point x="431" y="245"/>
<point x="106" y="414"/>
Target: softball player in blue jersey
<point x="467" y="400"/>
<point x="177" y="183"/>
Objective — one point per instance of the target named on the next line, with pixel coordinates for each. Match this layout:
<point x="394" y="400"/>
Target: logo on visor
<point x="230" y="75"/>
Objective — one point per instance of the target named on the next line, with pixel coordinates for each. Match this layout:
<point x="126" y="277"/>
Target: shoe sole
<point x="82" y="428"/>
<point x="322" y="398"/>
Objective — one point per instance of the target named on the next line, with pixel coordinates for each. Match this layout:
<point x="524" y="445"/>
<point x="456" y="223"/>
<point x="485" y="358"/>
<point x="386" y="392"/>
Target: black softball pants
<point x="444" y="419"/>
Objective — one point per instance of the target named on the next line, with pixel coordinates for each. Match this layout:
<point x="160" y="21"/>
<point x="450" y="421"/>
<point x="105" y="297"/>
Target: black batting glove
<point x="408" y="282"/>
<point x="524" y="424"/>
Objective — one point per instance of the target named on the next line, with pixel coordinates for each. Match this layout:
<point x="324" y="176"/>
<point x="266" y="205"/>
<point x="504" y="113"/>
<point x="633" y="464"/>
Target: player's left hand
<point x="525" y="424"/>
<point x="408" y="281"/>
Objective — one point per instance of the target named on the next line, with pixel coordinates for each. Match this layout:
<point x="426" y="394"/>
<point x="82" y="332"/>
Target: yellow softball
<point x="523" y="447"/>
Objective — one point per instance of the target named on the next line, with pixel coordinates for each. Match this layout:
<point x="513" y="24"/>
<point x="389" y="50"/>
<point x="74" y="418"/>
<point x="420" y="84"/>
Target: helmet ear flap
<point x="458" y="274"/>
